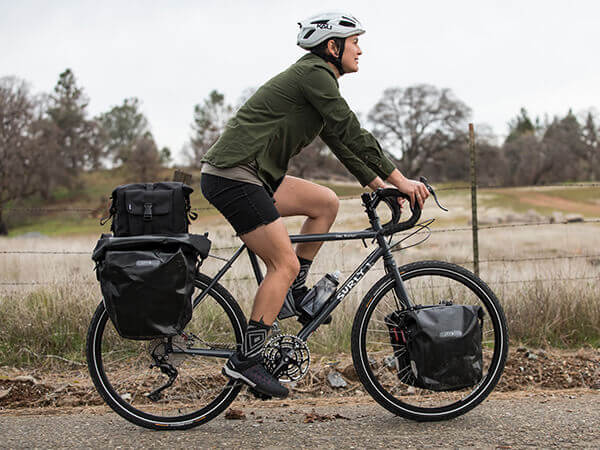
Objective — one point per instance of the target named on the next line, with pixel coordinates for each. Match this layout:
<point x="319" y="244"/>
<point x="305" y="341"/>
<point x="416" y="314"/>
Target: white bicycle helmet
<point x="316" y="29"/>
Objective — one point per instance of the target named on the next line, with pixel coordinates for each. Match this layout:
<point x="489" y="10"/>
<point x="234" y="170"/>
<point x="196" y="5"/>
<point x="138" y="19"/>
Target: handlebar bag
<point x="441" y="344"/>
<point x="147" y="282"/>
<point x="151" y="208"/>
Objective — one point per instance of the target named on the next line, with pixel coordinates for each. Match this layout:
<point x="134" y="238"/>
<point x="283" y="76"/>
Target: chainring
<point x="283" y="346"/>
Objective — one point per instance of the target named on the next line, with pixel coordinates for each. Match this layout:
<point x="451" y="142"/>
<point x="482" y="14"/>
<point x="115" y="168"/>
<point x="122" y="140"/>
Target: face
<point x="351" y="53"/>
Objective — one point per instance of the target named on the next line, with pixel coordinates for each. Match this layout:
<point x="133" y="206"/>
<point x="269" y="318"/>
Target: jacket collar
<point x="313" y="59"/>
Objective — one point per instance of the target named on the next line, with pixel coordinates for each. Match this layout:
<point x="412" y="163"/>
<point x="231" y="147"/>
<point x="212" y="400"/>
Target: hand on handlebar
<point x="415" y="190"/>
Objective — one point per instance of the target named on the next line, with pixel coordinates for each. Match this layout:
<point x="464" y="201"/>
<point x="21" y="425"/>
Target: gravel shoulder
<point x="569" y="418"/>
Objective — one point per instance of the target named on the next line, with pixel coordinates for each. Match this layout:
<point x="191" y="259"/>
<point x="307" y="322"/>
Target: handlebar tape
<point x="389" y="197"/>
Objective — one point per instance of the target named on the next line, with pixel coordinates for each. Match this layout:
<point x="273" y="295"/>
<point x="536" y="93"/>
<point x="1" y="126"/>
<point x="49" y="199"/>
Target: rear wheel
<point x="129" y="374"/>
<point x="427" y="283"/>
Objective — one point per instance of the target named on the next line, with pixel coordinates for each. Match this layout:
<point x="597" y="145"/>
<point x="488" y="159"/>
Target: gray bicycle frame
<point x="383" y="250"/>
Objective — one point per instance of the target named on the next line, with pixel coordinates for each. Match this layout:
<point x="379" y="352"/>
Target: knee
<point x="331" y="204"/>
<point x="287" y="265"/>
<point x="292" y="266"/>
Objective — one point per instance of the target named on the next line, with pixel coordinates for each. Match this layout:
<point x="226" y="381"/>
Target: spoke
<point x="379" y="342"/>
<point x="425" y="289"/>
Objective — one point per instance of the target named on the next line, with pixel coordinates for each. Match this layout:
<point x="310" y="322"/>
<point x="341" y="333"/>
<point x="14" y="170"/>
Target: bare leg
<point x="272" y="244"/>
<point x="298" y="197"/>
<point x="295" y="197"/>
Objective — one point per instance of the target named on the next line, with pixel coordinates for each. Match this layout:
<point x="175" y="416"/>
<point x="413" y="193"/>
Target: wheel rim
<point x="123" y="368"/>
<point x="427" y="286"/>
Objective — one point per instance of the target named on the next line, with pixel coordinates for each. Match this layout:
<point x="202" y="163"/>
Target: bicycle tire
<point x="102" y="338"/>
<point x="400" y="397"/>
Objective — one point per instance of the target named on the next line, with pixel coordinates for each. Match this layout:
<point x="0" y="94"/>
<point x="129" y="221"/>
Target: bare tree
<point x="20" y="157"/>
<point x="210" y="118"/>
<point x="417" y="123"/>
<point x="526" y="160"/>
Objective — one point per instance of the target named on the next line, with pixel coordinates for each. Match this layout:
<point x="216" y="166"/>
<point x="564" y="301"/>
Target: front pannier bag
<point x="151" y="208"/>
<point x="441" y="344"/>
<point x="147" y="282"/>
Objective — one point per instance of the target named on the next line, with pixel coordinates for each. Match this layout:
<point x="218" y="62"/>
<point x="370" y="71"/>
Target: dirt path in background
<point x="549" y="201"/>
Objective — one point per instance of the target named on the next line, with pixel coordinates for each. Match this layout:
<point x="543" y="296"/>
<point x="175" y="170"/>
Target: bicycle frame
<point x="382" y="251"/>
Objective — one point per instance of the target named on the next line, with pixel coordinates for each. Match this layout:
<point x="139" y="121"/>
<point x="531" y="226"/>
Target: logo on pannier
<point x="450" y="333"/>
<point x="147" y="262"/>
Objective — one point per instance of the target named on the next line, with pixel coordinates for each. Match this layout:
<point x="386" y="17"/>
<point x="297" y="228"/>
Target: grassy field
<point x="548" y="302"/>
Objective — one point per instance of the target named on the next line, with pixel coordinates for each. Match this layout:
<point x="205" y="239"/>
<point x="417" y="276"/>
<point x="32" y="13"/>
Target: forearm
<point x="395" y="178"/>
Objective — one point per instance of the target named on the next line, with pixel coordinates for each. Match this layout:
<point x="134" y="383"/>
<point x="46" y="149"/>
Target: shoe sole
<point x="238" y="376"/>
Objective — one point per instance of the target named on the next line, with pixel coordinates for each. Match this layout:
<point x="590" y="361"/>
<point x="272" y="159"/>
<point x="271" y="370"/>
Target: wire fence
<point x="11" y="210"/>
<point x="593" y="257"/>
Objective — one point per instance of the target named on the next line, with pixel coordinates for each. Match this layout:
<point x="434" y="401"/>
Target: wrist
<point x="376" y="183"/>
<point x="396" y="177"/>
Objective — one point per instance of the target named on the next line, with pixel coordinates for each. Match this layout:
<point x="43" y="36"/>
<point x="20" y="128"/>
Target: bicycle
<point x="176" y="383"/>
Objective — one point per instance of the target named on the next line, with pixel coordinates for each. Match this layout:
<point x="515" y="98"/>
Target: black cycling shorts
<point x="245" y="205"/>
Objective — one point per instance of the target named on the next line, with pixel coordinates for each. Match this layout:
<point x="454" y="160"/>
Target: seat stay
<point x="219" y="275"/>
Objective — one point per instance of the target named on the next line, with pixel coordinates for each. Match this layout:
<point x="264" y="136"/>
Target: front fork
<point x="402" y="299"/>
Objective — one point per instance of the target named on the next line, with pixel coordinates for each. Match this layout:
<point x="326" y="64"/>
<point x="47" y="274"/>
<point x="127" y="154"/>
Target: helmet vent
<point x="345" y="23"/>
<point x="307" y="35"/>
<point x="351" y="19"/>
<point x="316" y="22"/>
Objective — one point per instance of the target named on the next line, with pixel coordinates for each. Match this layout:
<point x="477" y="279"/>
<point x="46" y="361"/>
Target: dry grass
<point x="51" y="319"/>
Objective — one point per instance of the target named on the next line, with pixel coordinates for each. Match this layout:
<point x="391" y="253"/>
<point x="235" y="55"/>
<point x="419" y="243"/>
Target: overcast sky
<point x="496" y="56"/>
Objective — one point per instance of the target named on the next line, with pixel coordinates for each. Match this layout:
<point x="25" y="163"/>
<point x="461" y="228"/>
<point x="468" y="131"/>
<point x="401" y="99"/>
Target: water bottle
<point x="316" y="298"/>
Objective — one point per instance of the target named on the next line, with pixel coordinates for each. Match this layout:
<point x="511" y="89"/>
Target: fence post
<point x="474" y="199"/>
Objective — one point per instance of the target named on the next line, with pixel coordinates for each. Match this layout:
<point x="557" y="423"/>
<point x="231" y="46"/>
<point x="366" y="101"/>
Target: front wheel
<point x="427" y="283"/>
<point x="162" y="383"/>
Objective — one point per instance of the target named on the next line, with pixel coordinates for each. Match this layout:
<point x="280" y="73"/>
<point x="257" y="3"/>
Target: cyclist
<point x="243" y="174"/>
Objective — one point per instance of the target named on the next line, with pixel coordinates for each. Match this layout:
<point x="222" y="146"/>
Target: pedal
<point x="259" y="395"/>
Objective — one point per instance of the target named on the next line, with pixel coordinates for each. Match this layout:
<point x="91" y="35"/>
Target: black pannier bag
<point x="151" y="208"/>
<point x="438" y="347"/>
<point x="147" y="282"/>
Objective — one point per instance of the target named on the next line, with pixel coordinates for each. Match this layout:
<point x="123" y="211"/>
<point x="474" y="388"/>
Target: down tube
<point x="341" y="293"/>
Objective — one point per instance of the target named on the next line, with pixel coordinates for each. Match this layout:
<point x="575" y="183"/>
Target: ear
<point x="333" y="48"/>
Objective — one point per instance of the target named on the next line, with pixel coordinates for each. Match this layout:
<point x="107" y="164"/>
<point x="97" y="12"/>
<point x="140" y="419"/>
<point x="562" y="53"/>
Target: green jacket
<point x="286" y="114"/>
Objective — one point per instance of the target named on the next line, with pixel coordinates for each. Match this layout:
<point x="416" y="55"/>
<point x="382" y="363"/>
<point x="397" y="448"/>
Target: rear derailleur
<point x="160" y="356"/>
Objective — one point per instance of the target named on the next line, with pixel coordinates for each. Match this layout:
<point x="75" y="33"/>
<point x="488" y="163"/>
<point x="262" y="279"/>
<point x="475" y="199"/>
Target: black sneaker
<point x="253" y="373"/>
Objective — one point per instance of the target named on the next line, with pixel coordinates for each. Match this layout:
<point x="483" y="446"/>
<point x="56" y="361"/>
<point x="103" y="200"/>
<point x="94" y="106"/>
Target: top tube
<point x="325" y="237"/>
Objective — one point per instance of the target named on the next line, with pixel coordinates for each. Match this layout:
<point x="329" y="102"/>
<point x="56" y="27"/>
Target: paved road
<point x="562" y="419"/>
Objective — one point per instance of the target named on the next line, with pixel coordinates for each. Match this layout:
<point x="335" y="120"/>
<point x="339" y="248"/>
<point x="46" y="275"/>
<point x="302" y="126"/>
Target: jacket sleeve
<point x="342" y="131"/>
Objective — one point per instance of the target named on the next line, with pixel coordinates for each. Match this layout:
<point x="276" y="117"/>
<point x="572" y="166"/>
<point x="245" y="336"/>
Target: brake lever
<point x="432" y="192"/>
